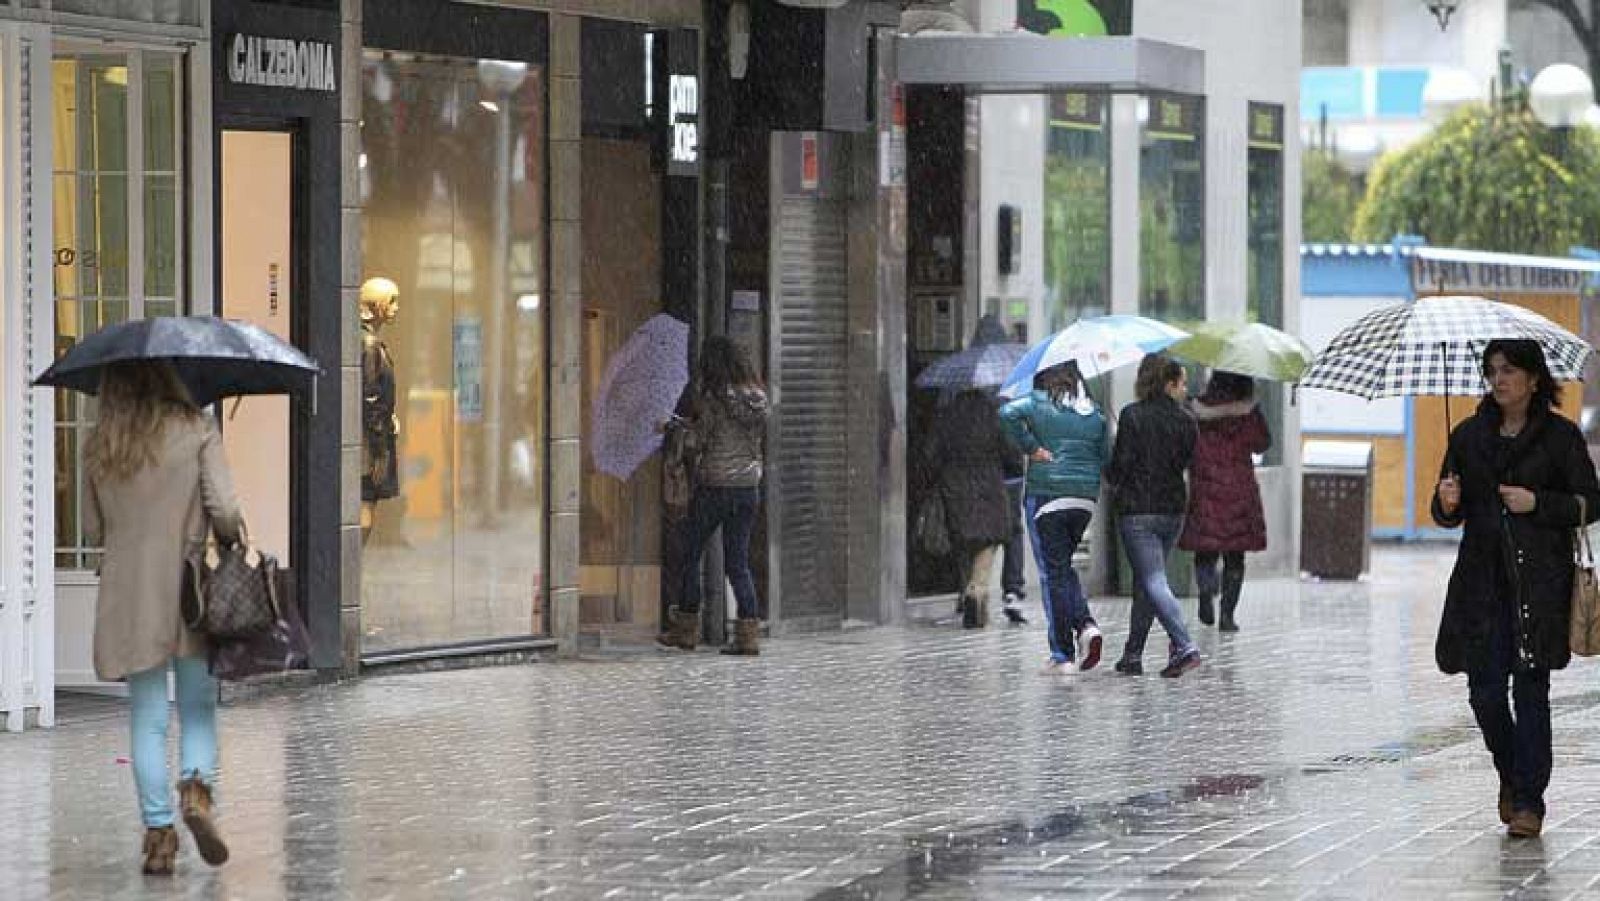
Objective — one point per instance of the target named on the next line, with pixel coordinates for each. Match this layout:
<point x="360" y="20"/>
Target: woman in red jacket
<point x="1225" y="517"/>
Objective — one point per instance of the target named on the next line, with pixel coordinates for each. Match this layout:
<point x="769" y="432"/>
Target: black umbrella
<point x="214" y="357"/>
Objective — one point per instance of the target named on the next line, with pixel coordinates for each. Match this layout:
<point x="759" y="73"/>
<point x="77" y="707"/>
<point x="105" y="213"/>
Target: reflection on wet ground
<point x="1317" y="754"/>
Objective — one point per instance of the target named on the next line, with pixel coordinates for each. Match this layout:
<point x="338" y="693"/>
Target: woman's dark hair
<point x="724" y="366"/>
<point x="1527" y="356"/>
<point x="1156" y="372"/>
<point x="1060" y="381"/>
<point x="1228" y="388"/>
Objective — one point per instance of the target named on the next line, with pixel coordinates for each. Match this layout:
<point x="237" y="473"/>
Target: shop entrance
<point x="258" y="262"/>
<point x="620" y="545"/>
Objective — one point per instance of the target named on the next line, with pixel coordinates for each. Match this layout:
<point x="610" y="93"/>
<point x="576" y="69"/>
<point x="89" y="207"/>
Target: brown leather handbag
<point x="1585" y="631"/>
<point x="230" y="593"/>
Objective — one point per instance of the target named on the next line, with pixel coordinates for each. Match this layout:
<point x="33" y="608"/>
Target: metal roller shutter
<point x="810" y="337"/>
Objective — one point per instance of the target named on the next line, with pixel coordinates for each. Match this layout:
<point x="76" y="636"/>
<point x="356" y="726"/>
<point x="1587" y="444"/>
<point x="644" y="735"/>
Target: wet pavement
<point x="1317" y="754"/>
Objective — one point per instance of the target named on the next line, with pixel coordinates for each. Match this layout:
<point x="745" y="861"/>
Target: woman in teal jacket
<point x="1064" y="435"/>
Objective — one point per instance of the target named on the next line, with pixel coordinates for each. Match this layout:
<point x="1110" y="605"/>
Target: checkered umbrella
<point x="1435" y="347"/>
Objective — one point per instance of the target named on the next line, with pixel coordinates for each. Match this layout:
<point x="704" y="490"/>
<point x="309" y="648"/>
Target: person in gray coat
<point x="157" y="480"/>
<point x="969" y="455"/>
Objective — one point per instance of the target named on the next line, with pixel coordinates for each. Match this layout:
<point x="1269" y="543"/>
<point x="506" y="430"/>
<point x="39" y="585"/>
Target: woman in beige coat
<point x="157" y="476"/>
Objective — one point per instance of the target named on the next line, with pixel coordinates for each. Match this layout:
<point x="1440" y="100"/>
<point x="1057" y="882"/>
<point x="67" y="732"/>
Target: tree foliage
<point x="1329" y="197"/>
<point x="1583" y="17"/>
<point x="1489" y="178"/>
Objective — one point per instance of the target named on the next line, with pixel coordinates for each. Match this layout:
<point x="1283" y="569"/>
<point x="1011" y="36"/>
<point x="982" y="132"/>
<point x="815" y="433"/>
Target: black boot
<point x="1232" y="585"/>
<point x="1208" y="614"/>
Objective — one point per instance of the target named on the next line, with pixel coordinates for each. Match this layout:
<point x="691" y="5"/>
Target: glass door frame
<point x="192" y="177"/>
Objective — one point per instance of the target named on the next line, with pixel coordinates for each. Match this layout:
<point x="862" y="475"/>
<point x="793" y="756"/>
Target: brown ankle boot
<point x="1525" y="824"/>
<point x="682" y="631"/>
<point x="746" y="639"/>
<point x="160" y="850"/>
<point x="194" y="797"/>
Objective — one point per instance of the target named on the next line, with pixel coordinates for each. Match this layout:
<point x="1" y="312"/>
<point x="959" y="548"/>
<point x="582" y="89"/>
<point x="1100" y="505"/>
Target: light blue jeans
<point x="197" y="718"/>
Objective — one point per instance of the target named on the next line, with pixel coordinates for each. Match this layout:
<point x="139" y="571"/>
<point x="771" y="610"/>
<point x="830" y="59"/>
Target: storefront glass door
<point x="117" y="118"/>
<point x="453" y="306"/>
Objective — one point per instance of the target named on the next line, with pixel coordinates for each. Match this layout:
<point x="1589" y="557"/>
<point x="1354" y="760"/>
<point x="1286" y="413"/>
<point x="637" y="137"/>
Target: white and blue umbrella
<point x="1098" y="345"/>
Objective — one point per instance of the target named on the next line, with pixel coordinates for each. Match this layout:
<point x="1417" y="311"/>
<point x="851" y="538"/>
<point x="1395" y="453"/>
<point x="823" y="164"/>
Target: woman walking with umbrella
<point x="1063" y="433"/>
<point x="970" y="457"/>
<point x="726" y="427"/>
<point x="1518" y="479"/>
<point x="158" y="481"/>
<point x="1225" y="516"/>
<point x="1155" y="443"/>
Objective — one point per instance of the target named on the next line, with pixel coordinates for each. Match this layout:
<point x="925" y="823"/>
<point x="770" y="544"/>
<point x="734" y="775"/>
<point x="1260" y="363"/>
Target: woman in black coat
<point x="969" y="455"/>
<point x="1512" y="478"/>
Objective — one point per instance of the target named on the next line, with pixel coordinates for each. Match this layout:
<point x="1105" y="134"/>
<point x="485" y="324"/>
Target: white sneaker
<point x="1070" y="668"/>
<point x="1051" y="667"/>
<point x="1089" y="643"/>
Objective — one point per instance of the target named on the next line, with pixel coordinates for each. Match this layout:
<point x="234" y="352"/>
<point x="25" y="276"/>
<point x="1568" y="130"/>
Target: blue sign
<point x="467" y="340"/>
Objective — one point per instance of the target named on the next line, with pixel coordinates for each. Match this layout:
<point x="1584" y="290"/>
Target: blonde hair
<point x="138" y="400"/>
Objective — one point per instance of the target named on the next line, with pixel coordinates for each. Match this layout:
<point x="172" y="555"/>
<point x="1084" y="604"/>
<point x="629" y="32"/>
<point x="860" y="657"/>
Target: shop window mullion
<point x="136" y="178"/>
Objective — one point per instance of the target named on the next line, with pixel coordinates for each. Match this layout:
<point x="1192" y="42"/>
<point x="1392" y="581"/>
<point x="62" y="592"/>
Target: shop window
<point x="1264" y="267"/>
<point x="118" y="227"/>
<point x="1172" y="208"/>
<point x="1077" y="209"/>
<point x="452" y="176"/>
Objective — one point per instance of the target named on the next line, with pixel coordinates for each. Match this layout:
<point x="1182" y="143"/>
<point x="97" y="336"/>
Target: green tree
<point x="1583" y="17"/>
<point x="1489" y="178"/>
<point x="1329" y="197"/>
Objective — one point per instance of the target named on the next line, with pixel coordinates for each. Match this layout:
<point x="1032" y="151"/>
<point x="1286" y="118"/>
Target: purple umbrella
<point x="639" y="391"/>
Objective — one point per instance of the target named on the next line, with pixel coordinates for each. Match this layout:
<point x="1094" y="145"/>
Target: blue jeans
<point x="1148" y="541"/>
<point x="1055" y="538"/>
<point x="197" y="717"/>
<point x="1520" y="746"/>
<point x="734" y="511"/>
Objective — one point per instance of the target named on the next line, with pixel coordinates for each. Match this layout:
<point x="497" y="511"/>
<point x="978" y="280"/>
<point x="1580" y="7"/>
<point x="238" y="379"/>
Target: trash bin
<point x="1336" y="509"/>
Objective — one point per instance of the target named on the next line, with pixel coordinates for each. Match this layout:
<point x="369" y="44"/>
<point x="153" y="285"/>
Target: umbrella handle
<point x="1444" y="347"/>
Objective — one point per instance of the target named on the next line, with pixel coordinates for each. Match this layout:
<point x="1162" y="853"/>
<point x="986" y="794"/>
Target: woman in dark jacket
<point x="969" y="454"/>
<point x="1512" y="478"/>
<point x="1155" y="442"/>
<point x="726" y="426"/>
<point x="1225" y="516"/>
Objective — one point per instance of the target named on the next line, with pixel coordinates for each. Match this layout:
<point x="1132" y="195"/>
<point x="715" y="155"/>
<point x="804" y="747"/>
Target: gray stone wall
<point x="350" y="333"/>
<point x="566" y="325"/>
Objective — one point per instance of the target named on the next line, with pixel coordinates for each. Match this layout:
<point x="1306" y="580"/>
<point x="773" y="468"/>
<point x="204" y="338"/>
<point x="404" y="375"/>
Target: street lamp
<point x="1447" y="90"/>
<point x="1442" y="10"/>
<point x="1561" y="95"/>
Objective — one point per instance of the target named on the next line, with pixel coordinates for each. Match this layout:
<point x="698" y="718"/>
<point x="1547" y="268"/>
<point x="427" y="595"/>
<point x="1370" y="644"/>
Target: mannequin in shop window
<point x="380" y="426"/>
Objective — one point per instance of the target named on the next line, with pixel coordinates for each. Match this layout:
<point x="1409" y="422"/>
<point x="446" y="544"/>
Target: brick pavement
<point x="1316" y="754"/>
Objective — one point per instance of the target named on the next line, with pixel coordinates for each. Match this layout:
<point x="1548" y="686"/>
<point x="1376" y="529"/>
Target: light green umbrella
<point x="1248" y="348"/>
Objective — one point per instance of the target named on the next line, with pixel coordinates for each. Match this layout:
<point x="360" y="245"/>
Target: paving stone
<point x="1316" y="754"/>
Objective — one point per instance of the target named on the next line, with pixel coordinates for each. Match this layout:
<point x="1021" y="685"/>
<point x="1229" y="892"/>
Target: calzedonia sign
<point x="281" y="63"/>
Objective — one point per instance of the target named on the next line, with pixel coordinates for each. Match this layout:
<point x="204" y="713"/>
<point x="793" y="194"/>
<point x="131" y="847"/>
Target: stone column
<point x="566" y="325"/>
<point x="350" y="335"/>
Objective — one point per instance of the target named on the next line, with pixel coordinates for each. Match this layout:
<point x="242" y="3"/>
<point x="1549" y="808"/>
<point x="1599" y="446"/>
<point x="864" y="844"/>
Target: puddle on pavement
<point x="958" y="856"/>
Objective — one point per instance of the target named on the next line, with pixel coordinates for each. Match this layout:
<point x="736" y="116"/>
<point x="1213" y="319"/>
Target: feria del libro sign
<point x="281" y="63"/>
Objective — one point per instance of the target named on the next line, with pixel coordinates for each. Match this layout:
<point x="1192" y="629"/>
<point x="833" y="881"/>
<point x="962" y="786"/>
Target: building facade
<point x="1170" y="191"/>
<point x="514" y="211"/>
